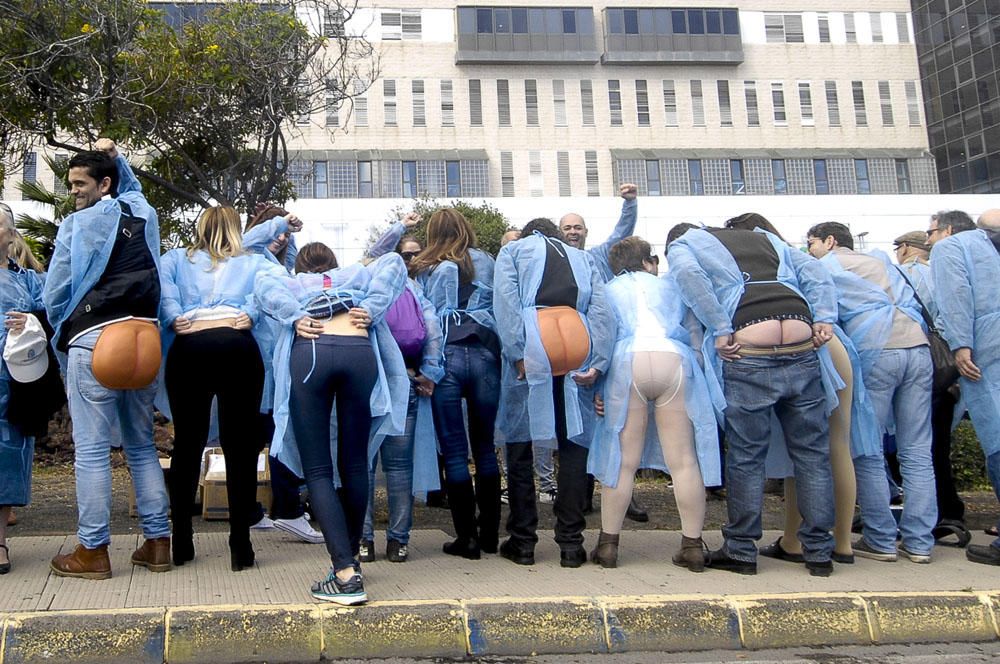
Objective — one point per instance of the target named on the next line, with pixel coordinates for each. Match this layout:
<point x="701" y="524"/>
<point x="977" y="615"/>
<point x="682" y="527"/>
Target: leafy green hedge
<point x="967" y="460"/>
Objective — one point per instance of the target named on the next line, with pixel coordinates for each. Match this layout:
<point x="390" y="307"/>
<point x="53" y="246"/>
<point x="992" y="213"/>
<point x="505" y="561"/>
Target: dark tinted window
<point x="484" y="21"/>
<point x="730" y="21"/>
<point x="631" y="22"/>
<point x="453" y="172"/>
<point x="616" y="25"/>
<point x="713" y="22"/>
<point x="819" y="170"/>
<point x="519" y="19"/>
<point x="501" y="19"/>
<point x="569" y="21"/>
<point x="679" y="22"/>
<point x="696" y="21"/>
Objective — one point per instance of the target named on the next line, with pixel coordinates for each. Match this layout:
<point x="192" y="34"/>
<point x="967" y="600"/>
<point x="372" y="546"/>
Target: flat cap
<point x="916" y="239"/>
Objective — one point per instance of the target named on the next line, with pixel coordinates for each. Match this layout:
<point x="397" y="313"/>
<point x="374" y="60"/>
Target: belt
<point x="780" y="349"/>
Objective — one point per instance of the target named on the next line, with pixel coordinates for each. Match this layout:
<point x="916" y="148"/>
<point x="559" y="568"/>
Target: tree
<point x="488" y="222"/>
<point x="208" y="94"/>
<point x="39" y="232"/>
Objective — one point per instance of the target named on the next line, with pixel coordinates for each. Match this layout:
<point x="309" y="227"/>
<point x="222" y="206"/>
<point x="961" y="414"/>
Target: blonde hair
<point x="449" y="238"/>
<point x="23" y="255"/>
<point x="218" y="235"/>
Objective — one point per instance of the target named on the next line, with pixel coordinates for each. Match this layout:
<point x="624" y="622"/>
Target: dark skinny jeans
<point x="344" y="368"/>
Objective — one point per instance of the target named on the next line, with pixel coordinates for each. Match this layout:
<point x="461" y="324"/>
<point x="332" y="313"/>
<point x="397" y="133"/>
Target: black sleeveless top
<point x="558" y="287"/>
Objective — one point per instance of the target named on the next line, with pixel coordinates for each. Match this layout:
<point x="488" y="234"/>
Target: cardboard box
<point x="133" y="509"/>
<point x="214" y="501"/>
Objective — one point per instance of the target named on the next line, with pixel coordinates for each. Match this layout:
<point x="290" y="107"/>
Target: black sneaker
<point x="719" y="559"/>
<point x="823" y="568"/>
<point x="987" y="555"/>
<point x="572" y="557"/>
<point x="516" y="555"/>
<point x="775" y="550"/>
<point x="636" y="512"/>
<point x="396" y="552"/>
<point x="346" y="593"/>
<point x="366" y="551"/>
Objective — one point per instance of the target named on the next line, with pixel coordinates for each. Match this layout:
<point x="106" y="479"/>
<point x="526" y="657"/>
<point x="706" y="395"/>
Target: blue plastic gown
<point x="711" y="283"/>
<point x="519" y="271"/>
<point x="623" y="229"/>
<point x="260" y="236"/>
<point x="374" y="288"/>
<point x="19" y="291"/>
<point x="190" y="283"/>
<point x="966" y="272"/>
<point x="83" y="247"/>
<point x="604" y="460"/>
<point x="920" y="278"/>
<point x="388" y="241"/>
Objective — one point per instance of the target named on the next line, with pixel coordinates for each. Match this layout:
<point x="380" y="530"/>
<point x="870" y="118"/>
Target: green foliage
<point x="488" y="222"/>
<point x="39" y="232"/>
<point x="967" y="461"/>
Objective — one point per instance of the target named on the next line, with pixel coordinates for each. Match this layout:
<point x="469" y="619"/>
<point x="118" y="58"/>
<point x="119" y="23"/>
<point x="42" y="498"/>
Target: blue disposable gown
<point x="84" y="243"/>
<point x="260" y="236"/>
<point x="865" y="309"/>
<point x="191" y="283"/>
<point x="711" y="283"/>
<point x="919" y="276"/>
<point x="623" y="229"/>
<point x="604" y="460"/>
<point x="519" y="270"/>
<point x="966" y="272"/>
<point x="19" y="291"/>
<point x="373" y="287"/>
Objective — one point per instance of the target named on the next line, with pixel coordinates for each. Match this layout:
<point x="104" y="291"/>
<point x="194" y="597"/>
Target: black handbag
<point x="945" y="368"/>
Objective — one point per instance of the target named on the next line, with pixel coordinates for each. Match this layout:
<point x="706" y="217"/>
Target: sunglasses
<point x="408" y="255"/>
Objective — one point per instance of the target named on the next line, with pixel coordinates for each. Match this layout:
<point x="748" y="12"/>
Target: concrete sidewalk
<point x="439" y="606"/>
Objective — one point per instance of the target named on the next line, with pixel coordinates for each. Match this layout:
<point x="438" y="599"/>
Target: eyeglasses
<point x="654" y="259"/>
<point x="932" y="231"/>
<point x="408" y="255"/>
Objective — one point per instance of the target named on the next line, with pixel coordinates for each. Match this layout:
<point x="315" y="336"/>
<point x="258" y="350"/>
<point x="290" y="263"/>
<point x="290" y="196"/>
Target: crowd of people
<point x="804" y="365"/>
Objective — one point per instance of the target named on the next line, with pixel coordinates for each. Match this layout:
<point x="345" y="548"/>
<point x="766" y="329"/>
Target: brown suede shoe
<point x="83" y="563"/>
<point x="154" y="555"/>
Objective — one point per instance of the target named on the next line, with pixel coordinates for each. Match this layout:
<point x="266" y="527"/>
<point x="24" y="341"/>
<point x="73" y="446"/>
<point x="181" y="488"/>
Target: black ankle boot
<point x="462" y="501"/>
<point x="488" y="499"/>
<point x="241" y="554"/>
<point x="182" y="543"/>
<point x="605" y="553"/>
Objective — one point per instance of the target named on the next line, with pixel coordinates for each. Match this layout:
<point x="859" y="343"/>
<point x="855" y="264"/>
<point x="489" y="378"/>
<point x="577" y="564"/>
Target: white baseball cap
<point x="25" y="352"/>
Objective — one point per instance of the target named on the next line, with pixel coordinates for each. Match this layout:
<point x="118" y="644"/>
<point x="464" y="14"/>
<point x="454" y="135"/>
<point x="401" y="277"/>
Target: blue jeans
<point x="99" y="416"/>
<point x="545" y="469"/>
<point x="791" y="387"/>
<point x="899" y="386"/>
<point x="397" y="464"/>
<point x="472" y="373"/>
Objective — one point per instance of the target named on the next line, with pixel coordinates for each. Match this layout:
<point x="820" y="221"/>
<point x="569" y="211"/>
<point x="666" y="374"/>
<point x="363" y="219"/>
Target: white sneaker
<point x="265" y="523"/>
<point x="299" y="528"/>
<point x="547" y="497"/>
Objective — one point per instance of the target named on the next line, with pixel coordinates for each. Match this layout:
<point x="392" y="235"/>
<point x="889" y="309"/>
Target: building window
<point x="615" y="103"/>
<point x="861" y="176"/>
<point x="400" y="24"/>
<point x="559" y="102"/>
<point x="447" y="104"/>
<point x="850" y="32"/>
<point x="389" y="102"/>
<point x="824" y="28"/>
<point x="562" y="171"/>
<point x="642" y="103"/>
<point x="503" y="102"/>
<point x="806" y="104"/>
<point x="507" y="174"/>
<point x="725" y="104"/>
<point x="753" y="110"/>
<point x="783" y="28"/>
<point x="320" y="189"/>
<point x="593" y="174"/>
<point x="299" y="174"/>
<point x="453" y="178"/>
<point x="903" y="177"/>
<point x="876" y="21"/>
<point x="475" y="103"/>
<point x="332" y="111"/>
<point x="778" y="102"/>
<point x="409" y="171"/>
<point x="903" y="28"/>
<point x="653" y="186"/>
<point x="912" y="103"/>
<point x="885" y="101"/>
<point x="697" y="104"/>
<point x="736" y="176"/>
<point x="821" y="177"/>
<point x="531" y="102"/>
<point x="778" y="176"/>
<point x="333" y="23"/>
<point x="419" y="105"/>
<point x="669" y="103"/>
<point x="832" y="104"/>
<point x="365" y="188"/>
<point x="360" y="101"/>
<point x="860" y="112"/>
<point x="536" y="183"/>
<point x="696" y="185"/>
<point x="587" y="102"/>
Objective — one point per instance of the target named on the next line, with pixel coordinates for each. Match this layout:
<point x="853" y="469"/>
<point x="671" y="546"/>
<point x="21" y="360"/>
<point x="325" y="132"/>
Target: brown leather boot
<point x="605" y="553"/>
<point x="83" y="563"/>
<point x="154" y="555"/>
<point x="692" y="554"/>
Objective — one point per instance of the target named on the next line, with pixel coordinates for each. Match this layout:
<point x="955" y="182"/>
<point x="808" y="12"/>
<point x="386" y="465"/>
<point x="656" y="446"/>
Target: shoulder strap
<point x="923" y="308"/>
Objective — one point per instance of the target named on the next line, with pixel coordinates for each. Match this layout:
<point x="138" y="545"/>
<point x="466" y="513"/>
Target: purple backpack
<point x="405" y="319"/>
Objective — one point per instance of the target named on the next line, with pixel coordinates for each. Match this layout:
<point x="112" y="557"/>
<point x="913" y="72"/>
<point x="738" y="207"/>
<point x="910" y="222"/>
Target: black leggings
<point x="343" y="367"/>
<point x="225" y="364"/>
